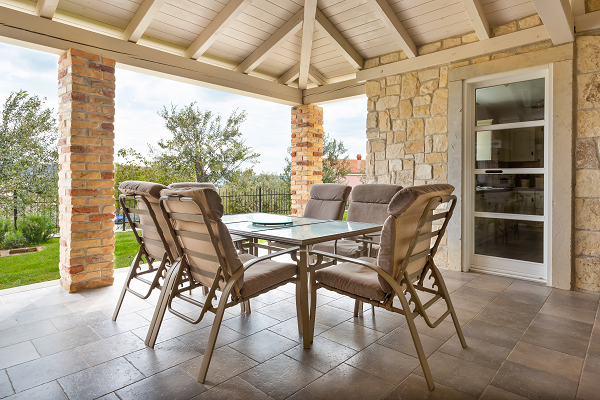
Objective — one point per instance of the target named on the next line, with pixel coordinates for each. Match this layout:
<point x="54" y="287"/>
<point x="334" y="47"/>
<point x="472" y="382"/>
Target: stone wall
<point x="587" y="175"/>
<point x="86" y="178"/>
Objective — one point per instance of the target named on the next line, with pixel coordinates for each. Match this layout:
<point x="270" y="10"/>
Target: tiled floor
<point x="524" y="341"/>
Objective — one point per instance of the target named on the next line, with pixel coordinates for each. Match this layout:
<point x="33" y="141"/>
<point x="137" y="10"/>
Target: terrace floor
<point x="525" y="341"/>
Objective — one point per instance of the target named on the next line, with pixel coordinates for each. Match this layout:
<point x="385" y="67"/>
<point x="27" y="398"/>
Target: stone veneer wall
<point x="407" y="120"/>
<point x="587" y="175"/>
<point x="86" y="178"/>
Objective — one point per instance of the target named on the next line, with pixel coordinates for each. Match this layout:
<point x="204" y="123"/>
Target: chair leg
<point x="313" y="303"/>
<point x="161" y="306"/>
<point x="129" y="278"/>
<point x="204" y="290"/>
<point x="417" y="341"/>
<point x="248" y="310"/>
<point x="299" y="306"/>
<point x="212" y="339"/>
<point x="358" y="308"/>
<point x="449" y="305"/>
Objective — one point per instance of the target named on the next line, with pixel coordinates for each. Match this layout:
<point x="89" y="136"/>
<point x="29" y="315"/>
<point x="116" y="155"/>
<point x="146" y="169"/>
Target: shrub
<point x="13" y="240"/>
<point x="36" y="229"/>
<point x="4" y="228"/>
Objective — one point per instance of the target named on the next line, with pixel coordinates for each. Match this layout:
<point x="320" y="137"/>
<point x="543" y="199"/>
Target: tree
<point x="28" y="153"/>
<point x="335" y="168"/>
<point x="202" y="147"/>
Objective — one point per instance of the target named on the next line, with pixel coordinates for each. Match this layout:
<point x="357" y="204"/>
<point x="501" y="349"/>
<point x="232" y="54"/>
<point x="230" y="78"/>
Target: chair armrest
<point x="256" y="260"/>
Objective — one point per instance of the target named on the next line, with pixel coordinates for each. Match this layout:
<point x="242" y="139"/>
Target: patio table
<point x="302" y="232"/>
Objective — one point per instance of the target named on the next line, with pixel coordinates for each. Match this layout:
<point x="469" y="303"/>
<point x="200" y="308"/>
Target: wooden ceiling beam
<point x="317" y="77"/>
<point x="578" y="7"/>
<point x="557" y="18"/>
<point x="308" y="30"/>
<point x="46" y="8"/>
<point x="588" y="21"/>
<point x="385" y="13"/>
<point x="338" y="40"/>
<point x="478" y="19"/>
<point x="292" y="26"/>
<point x="141" y="20"/>
<point x="290" y="75"/>
<point x="216" y="27"/>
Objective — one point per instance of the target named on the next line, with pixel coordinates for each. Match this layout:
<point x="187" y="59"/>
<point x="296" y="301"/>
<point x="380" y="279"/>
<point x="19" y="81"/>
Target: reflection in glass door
<point x="507" y="128"/>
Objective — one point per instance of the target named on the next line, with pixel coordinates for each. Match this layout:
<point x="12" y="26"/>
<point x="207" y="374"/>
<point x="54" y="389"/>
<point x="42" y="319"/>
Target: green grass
<point x="41" y="266"/>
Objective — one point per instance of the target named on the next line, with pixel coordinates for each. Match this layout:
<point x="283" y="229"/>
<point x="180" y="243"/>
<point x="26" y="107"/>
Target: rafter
<point x="292" y="26"/>
<point x="316" y="76"/>
<point x="141" y="20"/>
<point x="588" y="21"/>
<point x="308" y="30"/>
<point x="578" y="7"/>
<point x="292" y="74"/>
<point x="348" y="51"/>
<point x="216" y="27"/>
<point x="557" y="18"/>
<point x="46" y="8"/>
<point x="477" y="16"/>
<point x="390" y="20"/>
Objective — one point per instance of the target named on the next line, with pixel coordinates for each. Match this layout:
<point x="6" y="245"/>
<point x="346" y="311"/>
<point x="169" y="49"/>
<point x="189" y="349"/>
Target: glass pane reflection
<point x="510" y="193"/>
<point x="510" y="102"/>
<point x="510" y="148"/>
<point x="512" y="239"/>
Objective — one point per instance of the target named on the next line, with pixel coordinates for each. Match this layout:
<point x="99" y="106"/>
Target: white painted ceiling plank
<point x="216" y="27"/>
<point x="290" y="75"/>
<point x="349" y="53"/>
<point x="46" y="8"/>
<point x="480" y="23"/>
<point x="292" y="26"/>
<point x="578" y="7"/>
<point x="141" y="20"/>
<point x="388" y="17"/>
<point x="588" y="21"/>
<point x="308" y="30"/>
<point x="557" y="18"/>
<point x="500" y="43"/>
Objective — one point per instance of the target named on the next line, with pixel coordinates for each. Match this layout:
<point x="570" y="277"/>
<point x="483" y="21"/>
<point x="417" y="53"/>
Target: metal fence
<point x="267" y="201"/>
<point x="37" y="208"/>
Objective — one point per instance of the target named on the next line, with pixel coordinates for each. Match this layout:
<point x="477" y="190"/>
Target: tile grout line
<point x="587" y="350"/>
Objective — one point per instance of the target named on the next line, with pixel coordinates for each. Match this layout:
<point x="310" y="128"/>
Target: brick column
<point x="86" y="88"/>
<point x="307" y="153"/>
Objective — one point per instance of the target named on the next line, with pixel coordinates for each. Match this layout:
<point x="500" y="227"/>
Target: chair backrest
<point x="370" y="202"/>
<point x="406" y="237"/>
<point x="155" y="232"/>
<point x="194" y="218"/>
<point x="327" y="201"/>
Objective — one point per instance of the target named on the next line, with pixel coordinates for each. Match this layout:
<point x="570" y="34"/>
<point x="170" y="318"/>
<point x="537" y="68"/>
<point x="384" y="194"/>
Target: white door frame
<point x="469" y="86"/>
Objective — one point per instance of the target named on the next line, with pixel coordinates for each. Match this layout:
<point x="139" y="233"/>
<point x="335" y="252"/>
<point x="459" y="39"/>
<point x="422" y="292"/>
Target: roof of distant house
<point x="357" y="166"/>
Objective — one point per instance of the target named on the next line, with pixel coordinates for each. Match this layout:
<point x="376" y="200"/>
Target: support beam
<point x="578" y="7"/>
<point x="46" y="8"/>
<point x="390" y="20"/>
<point x="292" y="74"/>
<point x="316" y="76"/>
<point x="557" y="18"/>
<point x="348" y="51"/>
<point x="141" y="20"/>
<point x="259" y="55"/>
<point x="333" y="92"/>
<point x="478" y="19"/>
<point x="27" y="30"/>
<point x="308" y="30"/>
<point x="500" y="43"/>
<point x="216" y="27"/>
<point x="588" y="21"/>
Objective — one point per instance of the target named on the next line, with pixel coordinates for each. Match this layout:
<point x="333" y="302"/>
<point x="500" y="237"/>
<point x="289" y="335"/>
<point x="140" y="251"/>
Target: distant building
<point x="357" y="171"/>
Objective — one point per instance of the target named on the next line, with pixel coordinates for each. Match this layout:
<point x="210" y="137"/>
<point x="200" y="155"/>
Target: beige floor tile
<point x="263" y="345"/>
<point x="564" y="311"/>
<point x="385" y="363"/>
<point x="494" y="393"/>
<point x="233" y="389"/>
<point x="349" y="383"/>
<point x="381" y="320"/>
<point x="289" y="329"/>
<point x="224" y="364"/>
<point x="324" y="355"/>
<point x="491" y="283"/>
<point x="150" y="361"/>
<point x="527" y="287"/>
<point x="415" y="387"/>
<point x="485" y="354"/>
<point x="356" y="337"/>
<point x="17" y="354"/>
<point x="550" y="361"/>
<point x="401" y="340"/>
<point x="589" y="387"/>
<point x="443" y="331"/>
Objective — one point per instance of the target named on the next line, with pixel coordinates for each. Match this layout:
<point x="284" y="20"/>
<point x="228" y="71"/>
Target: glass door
<point x="508" y="164"/>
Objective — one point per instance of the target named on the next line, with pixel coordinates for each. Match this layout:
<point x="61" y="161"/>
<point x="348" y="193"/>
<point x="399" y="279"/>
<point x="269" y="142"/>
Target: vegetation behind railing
<point x="267" y="201"/>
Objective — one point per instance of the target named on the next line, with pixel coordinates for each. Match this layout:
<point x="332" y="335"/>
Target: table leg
<point x="303" y="278"/>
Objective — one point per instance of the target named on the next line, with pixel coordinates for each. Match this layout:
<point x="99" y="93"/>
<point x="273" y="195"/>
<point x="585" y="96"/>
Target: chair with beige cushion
<point x="151" y="232"/>
<point x="327" y="201"/>
<point x="369" y="204"/>
<point x="208" y="257"/>
<point x="404" y="267"/>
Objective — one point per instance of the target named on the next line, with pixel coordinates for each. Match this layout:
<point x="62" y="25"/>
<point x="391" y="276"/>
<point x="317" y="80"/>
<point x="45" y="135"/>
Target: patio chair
<point x="369" y="204"/>
<point x="327" y="201"/>
<point x="208" y="257"/>
<point x="404" y="263"/>
<point x="154" y="240"/>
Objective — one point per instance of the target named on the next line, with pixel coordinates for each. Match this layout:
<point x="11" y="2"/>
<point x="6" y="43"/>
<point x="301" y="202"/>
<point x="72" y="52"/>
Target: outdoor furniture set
<point x="183" y="230"/>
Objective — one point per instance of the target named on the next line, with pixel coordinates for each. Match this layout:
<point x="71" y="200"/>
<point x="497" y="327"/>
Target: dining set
<point x="380" y="252"/>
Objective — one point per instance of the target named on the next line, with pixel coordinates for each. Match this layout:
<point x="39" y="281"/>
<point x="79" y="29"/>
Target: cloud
<point x="139" y="97"/>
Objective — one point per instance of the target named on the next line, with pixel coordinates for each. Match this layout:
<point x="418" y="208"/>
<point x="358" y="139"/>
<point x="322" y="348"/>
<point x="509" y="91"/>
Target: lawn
<point x="41" y="266"/>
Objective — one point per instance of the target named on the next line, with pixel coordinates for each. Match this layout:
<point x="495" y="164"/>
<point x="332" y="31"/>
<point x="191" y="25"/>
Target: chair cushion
<point x="142" y="188"/>
<point x="330" y="191"/>
<point x="353" y="278"/>
<point x="264" y="274"/>
<point x="348" y="248"/>
<point x="196" y="185"/>
<point x="327" y="201"/>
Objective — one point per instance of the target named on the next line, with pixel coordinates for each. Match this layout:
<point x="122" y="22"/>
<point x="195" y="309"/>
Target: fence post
<point x="259" y="199"/>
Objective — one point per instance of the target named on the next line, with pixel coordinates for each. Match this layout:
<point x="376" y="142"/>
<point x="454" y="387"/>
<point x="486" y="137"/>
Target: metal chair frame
<point x="177" y="275"/>
<point x="402" y="283"/>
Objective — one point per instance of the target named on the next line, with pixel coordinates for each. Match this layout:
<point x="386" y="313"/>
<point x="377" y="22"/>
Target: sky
<point x="139" y="97"/>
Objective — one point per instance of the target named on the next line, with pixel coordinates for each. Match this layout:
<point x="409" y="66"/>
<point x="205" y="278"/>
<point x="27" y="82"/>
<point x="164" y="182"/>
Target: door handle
<point x="493" y="171"/>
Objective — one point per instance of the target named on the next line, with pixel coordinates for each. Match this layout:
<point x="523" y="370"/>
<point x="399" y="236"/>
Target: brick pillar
<point x="307" y="153"/>
<point x="86" y="89"/>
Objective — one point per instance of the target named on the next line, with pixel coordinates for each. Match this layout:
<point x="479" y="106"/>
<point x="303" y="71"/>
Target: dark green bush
<point x="36" y="229"/>
<point x="4" y="228"/>
<point x="13" y="239"/>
